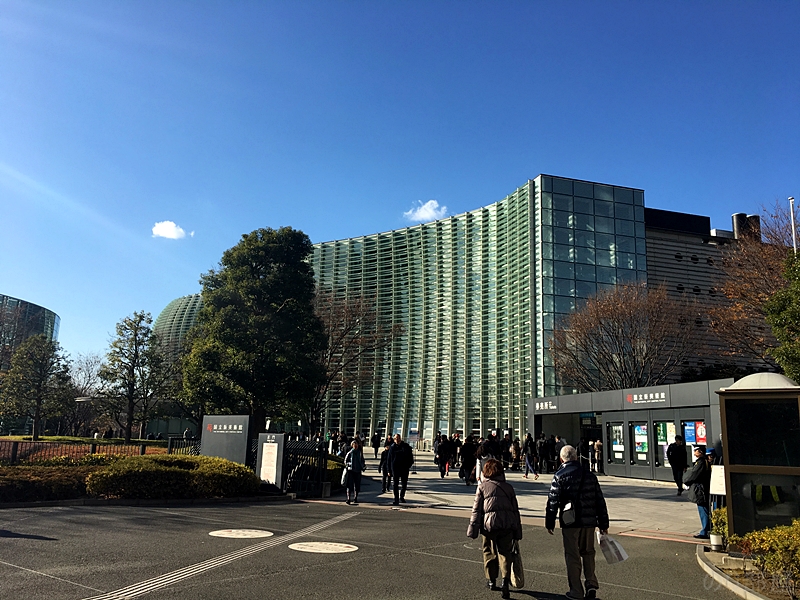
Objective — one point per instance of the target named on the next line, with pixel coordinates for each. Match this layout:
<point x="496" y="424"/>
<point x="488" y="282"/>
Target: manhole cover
<point x="241" y="533"/>
<point x="323" y="547"/>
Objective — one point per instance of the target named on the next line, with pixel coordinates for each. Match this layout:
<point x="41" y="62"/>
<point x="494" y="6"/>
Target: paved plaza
<point x="372" y="550"/>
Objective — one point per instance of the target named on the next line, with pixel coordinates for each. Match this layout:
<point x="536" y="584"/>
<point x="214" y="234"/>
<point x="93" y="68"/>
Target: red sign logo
<point x="629" y="398"/>
<point x="209" y="427"/>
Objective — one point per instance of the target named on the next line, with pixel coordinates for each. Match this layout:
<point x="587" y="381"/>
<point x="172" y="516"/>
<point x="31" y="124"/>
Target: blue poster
<point x="689" y="434"/>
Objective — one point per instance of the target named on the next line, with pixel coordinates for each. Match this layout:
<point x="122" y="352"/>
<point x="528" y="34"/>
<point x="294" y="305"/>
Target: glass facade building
<point x="478" y="295"/>
<point x="20" y="320"/>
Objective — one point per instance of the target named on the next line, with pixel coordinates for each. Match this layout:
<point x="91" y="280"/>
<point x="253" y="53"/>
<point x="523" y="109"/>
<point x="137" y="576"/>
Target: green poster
<point x="661" y="431"/>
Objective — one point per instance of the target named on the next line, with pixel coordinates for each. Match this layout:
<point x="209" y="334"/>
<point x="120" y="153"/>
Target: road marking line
<point x="563" y="576"/>
<point x="50" y="576"/>
<point x="162" y="581"/>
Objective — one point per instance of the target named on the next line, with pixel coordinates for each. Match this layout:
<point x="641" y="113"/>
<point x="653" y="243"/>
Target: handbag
<point x="568" y="514"/>
<point x="612" y="549"/>
<point x="517" y="570"/>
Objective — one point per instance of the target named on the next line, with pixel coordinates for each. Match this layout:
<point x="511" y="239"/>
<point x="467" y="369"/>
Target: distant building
<point x="175" y="321"/>
<point x="20" y="320"/>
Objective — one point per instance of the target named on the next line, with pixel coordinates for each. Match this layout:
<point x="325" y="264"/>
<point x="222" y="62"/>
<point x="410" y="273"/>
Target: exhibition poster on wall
<point x="640" y="437"/>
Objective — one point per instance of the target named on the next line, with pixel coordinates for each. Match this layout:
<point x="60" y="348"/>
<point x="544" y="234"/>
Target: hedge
<point x="172" y="476"/>
<point x="37" y="483"/>
<point x="775" y="552"/>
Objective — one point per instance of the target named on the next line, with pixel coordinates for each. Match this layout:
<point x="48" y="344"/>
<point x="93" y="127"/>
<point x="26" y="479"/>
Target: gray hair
<point x="568" y="453"/>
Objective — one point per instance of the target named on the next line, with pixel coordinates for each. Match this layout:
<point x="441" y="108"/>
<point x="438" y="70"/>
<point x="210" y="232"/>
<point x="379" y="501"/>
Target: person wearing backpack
<point x="576" y="494"/>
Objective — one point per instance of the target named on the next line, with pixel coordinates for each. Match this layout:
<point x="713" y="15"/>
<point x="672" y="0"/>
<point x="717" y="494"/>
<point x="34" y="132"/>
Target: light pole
<point x="791" y="213"/>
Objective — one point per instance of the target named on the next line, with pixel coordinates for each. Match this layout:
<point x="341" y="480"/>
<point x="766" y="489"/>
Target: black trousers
<point x="677" y="475"/>
<point x="398" y="480"/>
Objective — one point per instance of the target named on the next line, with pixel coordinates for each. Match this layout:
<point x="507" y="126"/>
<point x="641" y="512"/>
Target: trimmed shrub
<point x="334" y="471"/>
<point x="172" y="476"/>
<point x="719" y="523"/>
<point x="32" y="484"/>
<point x="775" y="552"/>
<point x="89" y="460"/>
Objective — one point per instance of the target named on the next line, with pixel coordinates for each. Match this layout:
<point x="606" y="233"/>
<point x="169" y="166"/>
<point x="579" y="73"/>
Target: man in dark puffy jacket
<point x="577" y="487"/>
<point x="399" y="460"/>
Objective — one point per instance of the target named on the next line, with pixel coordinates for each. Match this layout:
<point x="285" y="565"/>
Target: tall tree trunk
<point x="37" y="417"/>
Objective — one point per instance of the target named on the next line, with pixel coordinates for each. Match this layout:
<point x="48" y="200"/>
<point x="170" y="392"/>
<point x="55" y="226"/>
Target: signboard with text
<point x="225" y="436"/>
<point x="269" y="466"/>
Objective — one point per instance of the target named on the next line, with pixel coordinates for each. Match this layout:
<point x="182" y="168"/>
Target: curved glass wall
<point x="478" y="295"/>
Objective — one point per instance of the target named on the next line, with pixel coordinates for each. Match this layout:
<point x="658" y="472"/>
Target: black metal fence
<point x="180" y="445"/>
<point x="305" y="467"/>
<point x="14" y="452"/>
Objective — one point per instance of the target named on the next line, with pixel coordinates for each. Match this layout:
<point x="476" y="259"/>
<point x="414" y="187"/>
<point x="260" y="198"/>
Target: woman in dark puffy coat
<point x="495" y="515"/>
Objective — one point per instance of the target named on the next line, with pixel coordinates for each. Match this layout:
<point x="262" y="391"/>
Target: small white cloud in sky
<point x="429" y="211"/>
<point x="168" y="229"/>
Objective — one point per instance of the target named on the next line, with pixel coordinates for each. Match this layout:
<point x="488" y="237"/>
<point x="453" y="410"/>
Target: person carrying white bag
<point x="577" y="501"/>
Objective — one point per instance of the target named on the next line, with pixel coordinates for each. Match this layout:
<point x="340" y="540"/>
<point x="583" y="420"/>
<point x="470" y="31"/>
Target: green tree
<point x="258" y="340"/>
<point x="783" y="315"/>
<point x="135" y="375"/>
<point x="38" y="384"/>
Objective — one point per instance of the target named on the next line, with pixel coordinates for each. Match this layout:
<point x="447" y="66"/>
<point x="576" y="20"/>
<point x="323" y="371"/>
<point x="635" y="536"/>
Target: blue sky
<point x="341" y="118"/>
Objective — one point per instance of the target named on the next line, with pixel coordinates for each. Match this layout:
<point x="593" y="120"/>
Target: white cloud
<point x="168" y="229"/>
<point x="430" y="211"/>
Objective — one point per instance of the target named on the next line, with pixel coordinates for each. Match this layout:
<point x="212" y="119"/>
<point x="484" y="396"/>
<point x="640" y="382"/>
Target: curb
<point x="147" y="502"/>
<point x="723" y="580"/>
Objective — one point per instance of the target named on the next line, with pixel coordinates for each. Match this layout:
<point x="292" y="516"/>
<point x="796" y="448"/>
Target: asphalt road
<point x="166" y="552"/>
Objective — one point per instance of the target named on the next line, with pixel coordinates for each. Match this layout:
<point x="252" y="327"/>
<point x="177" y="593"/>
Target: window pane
<point x="565" y="287"/>
<point x="562" y="252"/>
<point x="563" y="236"/>
<point x="585" y="255"/>
<point x="626" y="260"/>
<point x="547" y="251"/>
<point x="584" y="272"/>
<point x="603" y="192"/>
<point x="603" y="209"/>
<point x="561" y="202"/>
<point x="584" y="205"/>
<point x="748" y="420"/>
<point x="638" y="197"/>
<point x="584" y="222"/>
<point x="547" y="285"/>
<point x="547" y="217"/>
<point x="547" y="184"/>
<point x="547" y="268"/>
<point x="547" y="303"/>
<point x="641" y="246"/>
<point x="562" y="219"/>
<point x="623" y="195"/>
<point x="606" y="275"/>
<point x="605" y="258"/>
<point x="585" y="289"/>
<point x="639" y="230"/>
<point x="564" y="270"/>
<point x="626" y="228"/>
<point x="562" y="186"/>
<point x="623" y="211"/>
<point x="584" y="238"/>
<point x="583" y="189"/>
<point x="626" y="244"/>
<point x="638" y="212"/>
<point x="626" y="276"/>
<point x="604" y="225"/>
<point x="604" y="241"/>
<point x="564" y="304"/>
<point x="547" y="200"/>
<point x="547" y="234"/>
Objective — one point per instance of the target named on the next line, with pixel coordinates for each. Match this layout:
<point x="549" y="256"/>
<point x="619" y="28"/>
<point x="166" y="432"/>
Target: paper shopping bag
<point x="612" y="549"/>
<point x="517" y="570"/>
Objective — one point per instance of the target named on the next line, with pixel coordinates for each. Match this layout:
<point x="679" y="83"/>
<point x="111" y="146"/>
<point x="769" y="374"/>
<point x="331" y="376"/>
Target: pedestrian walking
<point x="354" y="463"/>
<point x="400" y="460"/>
<point x="443" y="454"/>
<point x="468" y="459"/>
<point x="529" y="452"/>
<point x="495" y="516"/>
<point x="676" y="455"/>
<point x="384" y="470"/>
<point x="375" y="442"/>
<point x="598" y="455"/>
<point x="576" y="495"/>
